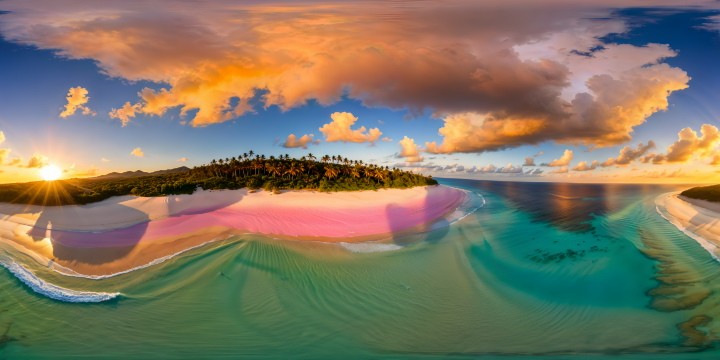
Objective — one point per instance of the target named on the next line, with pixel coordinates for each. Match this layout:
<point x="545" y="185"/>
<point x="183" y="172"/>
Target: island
<point x="115" y="223"/>
<point x="696" y="212"/>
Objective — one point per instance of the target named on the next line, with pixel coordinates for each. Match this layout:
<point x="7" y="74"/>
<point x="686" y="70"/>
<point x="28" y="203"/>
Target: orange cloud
<point x="137" y="152"/>
<point x="715" y="160"/>
<point x="409" y="150"/>
<point x="585" y="166"/>
<point x="293" y="141"/>
<point x="4" y="155"/>
<point x="564" y="160"/>
<point x="689" y="145"/>
<point x="629" y="154"/>
<point x="523" y="73"/>
<point x="604" y="113"/>
<point x="182" y="159"/>
<point x="77" y="99"/>
<point x="340" y="129"/>
<point x="37" y="161"/>
<point x="125" y="113"/>
<point x="14" y="162"/>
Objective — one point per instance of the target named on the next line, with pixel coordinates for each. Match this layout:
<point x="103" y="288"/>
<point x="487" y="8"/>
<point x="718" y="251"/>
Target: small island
<point x="118" y="222"/>
<point x="249" y="170"/>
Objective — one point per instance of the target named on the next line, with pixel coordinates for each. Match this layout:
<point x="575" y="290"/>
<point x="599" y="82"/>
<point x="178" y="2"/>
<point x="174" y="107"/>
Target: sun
<point x="50" y="172"/>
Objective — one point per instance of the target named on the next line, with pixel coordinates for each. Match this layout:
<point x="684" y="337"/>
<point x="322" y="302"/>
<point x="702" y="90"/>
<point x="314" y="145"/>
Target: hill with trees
<point x="709" y="193"/>
<point x="249" y="170"/>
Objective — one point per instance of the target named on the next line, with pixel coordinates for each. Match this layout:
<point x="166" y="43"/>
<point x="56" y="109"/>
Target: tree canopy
<point x="248" y="170"/>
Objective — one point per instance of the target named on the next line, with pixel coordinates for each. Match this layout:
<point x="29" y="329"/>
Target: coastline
<point x="699" y="219"/>
<point x="125" y="233"/>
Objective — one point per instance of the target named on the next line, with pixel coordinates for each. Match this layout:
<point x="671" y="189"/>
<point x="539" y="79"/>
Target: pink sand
<point x="293" y="214"/>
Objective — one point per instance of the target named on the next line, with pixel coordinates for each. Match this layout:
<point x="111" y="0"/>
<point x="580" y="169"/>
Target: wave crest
<point x="55" y="292"/>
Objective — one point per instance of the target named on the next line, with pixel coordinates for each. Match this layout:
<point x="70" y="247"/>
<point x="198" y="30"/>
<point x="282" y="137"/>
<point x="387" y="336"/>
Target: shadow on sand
<point x="87" y="246"/>
<point x="431" y="229"/>
<point x="100" y="247"/>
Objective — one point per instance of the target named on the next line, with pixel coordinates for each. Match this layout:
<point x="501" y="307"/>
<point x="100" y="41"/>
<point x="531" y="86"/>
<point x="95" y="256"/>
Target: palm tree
<point x="292" y="170"/>
<point x="331" y="172"/>
<point x="273" y="169"/>
<point x="311" y="156"/>
<point x="379" y="174"/>
<point x="355" y="172"/>
<point x="325" y="158"/>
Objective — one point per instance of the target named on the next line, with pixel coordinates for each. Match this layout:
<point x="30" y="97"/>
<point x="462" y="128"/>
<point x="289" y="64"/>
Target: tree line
<point x="248" y="170"/>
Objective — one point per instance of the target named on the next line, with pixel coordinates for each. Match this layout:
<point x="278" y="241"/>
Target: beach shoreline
<point x="123" y="233"/>
<point x="699" y="219"/>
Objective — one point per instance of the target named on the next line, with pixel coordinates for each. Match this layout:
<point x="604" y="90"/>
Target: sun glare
<point x="50" y="172"/>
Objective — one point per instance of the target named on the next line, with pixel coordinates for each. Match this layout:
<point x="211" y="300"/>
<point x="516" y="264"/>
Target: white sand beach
<point x="699" y="219"/>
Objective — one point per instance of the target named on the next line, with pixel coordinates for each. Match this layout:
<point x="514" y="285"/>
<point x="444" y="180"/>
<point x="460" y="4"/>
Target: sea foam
<point x="54" y="292"/>
<point x="369" y="247"/>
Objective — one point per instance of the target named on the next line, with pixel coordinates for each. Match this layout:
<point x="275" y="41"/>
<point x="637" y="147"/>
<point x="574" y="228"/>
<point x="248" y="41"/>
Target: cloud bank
<point x="498" y="74"/>
<point x="629" y="154"/>
<point x="689" y="145"/>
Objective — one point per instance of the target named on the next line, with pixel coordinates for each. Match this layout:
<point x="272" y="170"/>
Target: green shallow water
<point x="541" y="270"/>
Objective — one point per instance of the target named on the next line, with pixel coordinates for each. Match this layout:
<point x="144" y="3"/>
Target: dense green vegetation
<point x="709" y="193"/>
<point x="329" y="173"/>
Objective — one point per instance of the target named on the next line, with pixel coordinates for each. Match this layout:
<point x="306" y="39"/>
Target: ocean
<point x="527" y="270"/>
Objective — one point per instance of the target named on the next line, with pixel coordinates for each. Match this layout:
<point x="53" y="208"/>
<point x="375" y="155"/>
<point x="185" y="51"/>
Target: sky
<point x="524" y="90"/>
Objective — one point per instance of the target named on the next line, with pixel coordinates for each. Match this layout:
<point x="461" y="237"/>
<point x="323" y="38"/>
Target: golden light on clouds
<point x="496" y="83"/>
<point x="340" y="129"/>
<point x="77" y="99"/>
<point x="137" y="152"/>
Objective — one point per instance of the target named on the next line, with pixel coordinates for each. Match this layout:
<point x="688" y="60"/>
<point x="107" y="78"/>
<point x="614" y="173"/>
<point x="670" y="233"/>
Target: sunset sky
<point x="557" y="90"/>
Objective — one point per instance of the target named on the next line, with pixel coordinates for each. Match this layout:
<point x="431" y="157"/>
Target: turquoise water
<point x="540" y="270"/>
